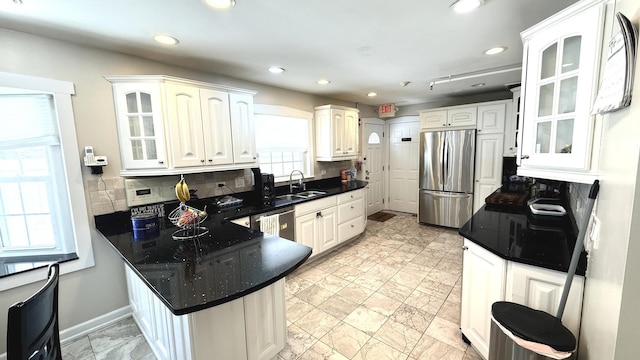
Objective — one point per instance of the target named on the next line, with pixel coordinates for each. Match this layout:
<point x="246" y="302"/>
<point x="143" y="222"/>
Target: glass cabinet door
<point x="558" y="83"/>
<point x="560" y="78"/>
<point x="140" y="125"/>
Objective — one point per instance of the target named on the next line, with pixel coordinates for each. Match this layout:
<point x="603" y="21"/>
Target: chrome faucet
<point x="300" y="185"/>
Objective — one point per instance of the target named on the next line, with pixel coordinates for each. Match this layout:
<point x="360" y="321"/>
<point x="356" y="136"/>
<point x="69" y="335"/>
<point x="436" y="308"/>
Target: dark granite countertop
<point x="227" y="263"/>
<point x="518" y="236"/>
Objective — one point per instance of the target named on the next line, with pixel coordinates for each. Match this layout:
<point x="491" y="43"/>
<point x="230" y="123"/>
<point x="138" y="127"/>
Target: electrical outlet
<point x="220" y="184"/>
<point x="323" y="172"/>
<point x="239" y="182"/>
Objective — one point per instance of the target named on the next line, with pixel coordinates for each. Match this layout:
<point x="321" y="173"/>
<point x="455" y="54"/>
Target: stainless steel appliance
<point x="286" y="219"/>
<point x="446" y="177"/>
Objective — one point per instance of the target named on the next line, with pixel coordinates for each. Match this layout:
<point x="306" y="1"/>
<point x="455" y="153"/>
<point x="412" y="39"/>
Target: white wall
<point x="87" y="294"/>
<point x="611" y="320"/>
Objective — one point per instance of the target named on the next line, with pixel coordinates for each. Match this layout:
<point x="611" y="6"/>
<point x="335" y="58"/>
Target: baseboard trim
<point x="83" y="329"/>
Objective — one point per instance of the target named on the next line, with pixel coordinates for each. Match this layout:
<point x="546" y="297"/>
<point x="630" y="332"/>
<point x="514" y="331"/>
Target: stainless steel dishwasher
<point x="286" y="219"/>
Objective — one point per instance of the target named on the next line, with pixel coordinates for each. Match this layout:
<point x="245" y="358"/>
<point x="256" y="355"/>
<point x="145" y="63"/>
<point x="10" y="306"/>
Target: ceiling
<point x="359" y="45"/>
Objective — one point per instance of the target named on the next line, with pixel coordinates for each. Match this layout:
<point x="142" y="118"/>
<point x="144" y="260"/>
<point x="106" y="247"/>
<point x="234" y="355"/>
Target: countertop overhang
<point x="516" y="235"/>
<point x="227" y="263"/>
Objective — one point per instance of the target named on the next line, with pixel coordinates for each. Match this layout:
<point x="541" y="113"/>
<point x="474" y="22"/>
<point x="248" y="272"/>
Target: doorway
<point x="404" y="146"/>
<point x="373" y="163"/>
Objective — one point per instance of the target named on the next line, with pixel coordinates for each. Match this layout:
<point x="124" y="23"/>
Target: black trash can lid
<point x="533" y="325"/>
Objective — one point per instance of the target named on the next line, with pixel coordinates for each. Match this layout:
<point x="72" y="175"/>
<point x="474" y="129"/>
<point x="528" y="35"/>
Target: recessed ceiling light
<point x="372" y="94"/>
<point x="276" y="70"/>
<point x="220" y="4"/>
<point x="465" y="6"/>
<point x="478" y="85"/>
<point x="405" y="83"/>
<point x="17" y="2"/>
<point x="166" y="39"/>
<point x="495" y="50"/>
<point x="323" y="82"/>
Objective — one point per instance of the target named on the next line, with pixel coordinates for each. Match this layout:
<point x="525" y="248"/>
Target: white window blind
<point x="35" y="215"/>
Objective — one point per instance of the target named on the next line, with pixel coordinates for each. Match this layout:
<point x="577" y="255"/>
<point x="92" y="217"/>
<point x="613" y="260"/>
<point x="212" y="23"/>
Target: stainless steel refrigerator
<point x="446" y="177"/>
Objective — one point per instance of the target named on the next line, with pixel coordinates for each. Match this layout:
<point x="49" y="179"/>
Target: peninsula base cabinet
<point x="249" y="328"/>
<point x="487" y="278"/>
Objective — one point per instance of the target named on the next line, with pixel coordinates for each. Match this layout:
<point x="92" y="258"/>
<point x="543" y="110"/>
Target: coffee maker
<point x="268" y="189"/>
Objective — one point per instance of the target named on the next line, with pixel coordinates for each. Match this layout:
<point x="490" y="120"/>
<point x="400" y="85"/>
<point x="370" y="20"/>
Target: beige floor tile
<point x="429" y="348"/>
<point x="338" y="306"/>
<point x="298" y="341"/>
<point x="413" y="317"/>
<point x="399" y="336"/>
<point x="426" y="302"/>
<point x="395" y="291"/>
<point x="346" y="339"/>
<point x="408" y="278"/>
<point x="443" y="277"/>
<point x="471" y="354"/>
<point x="321" y="351"/>
<point x="377" y="350"/>
<point x="366" y="320"/>
<point x="450" y="311"/>
<point x="448" y="266"/>
<point x="295" y="284"/>
<point x="355" y="292"/>
<point x="370" y="281"/>
<point x="333" y="283"/>
<point x="312" y="274"/>
<point x="297" y="308"/>
<point x="446" y="332"/>
<point x="435" y="288"/>
<point x="328" y="264"/>
<point x="317" y="323"/>
<point x="382" y="271"/>
<point x="382" y="304"/>
<point x="314" y="295"/>
<point x="348" y="273"/>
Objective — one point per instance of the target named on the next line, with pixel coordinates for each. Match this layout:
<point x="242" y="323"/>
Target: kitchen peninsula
<point x="217" y="296"/>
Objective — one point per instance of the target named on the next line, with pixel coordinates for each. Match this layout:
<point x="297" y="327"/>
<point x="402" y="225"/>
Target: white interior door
<point x="373" y="163"/>
<point x="404" y="147"/>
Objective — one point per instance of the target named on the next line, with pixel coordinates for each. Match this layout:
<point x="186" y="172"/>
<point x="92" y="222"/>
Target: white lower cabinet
<point x="249" y="328"/>
<point x="541" y="289"/>
<point x="483" y="283"/>
<point x="351" y="214"/>
<point x="326" y="222"/>
<point x="487" y="278"/>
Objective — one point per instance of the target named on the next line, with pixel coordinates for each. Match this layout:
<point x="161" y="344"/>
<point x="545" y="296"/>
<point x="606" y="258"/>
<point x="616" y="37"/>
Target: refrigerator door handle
<point x="445" y="157"/>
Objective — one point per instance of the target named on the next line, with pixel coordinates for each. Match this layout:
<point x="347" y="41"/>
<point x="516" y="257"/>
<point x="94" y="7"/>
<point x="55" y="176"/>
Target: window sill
<point x="19" y="264"/>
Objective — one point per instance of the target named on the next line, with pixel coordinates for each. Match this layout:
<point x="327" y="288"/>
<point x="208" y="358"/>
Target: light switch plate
<point x="594" y="231"/>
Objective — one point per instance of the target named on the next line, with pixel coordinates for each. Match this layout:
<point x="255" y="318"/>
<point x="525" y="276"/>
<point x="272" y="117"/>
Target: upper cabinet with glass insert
<point x="140" y="126"/>
<point x="168" y="125"/>
<point x="561" y="63"/>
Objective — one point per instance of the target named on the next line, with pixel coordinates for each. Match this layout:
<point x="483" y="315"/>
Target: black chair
<point x="32" y="326"/>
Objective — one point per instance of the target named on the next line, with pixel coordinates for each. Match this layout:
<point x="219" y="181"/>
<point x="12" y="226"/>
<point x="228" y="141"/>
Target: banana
<point x="182" y="191"/>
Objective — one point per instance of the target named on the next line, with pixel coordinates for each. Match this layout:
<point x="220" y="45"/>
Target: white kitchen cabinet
<point x="561" y="58"/>
<point x="141" y="131"/>
<point x="455" y="117"/>
<point x="541" y="289"/>
<point x="351" y="214"/>
<point x="511" y="126"/>
<point x="491" y="118"/>
<point x="207" y="127"/>
<point x="318" y="230"/>
<point x="243" y="128"/>
<point x="483" y="283"/>
<point x="249" y="328"/>
<point x="488" y="174"/>
<point x="336" y="133"/>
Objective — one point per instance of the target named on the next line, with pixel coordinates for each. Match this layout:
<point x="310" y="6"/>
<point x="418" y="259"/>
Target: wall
<point x="87" y="294"/>
<point x="611" y="321"/>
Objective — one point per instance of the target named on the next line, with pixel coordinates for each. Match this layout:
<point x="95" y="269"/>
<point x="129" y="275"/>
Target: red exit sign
<point x="386" y="110"/>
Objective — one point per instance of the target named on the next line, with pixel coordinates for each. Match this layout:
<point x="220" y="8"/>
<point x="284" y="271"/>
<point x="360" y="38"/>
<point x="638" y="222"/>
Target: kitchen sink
<point x="301" y="195"/>
<point x="290" y="197"/>
<point x="310" y="193"/>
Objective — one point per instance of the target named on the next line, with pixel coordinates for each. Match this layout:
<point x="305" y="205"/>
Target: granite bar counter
<point x="516" y="235"/>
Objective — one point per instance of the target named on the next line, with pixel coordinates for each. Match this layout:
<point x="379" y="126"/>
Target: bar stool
<point x="32" y="326"/>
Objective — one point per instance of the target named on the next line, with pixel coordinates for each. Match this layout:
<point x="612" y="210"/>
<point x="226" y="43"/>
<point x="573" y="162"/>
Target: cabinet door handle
<point x="479" y="130"/>
<point x="319" y="214"/>
<point x="524" y="157"/>
<point x="210" y="160"/>
<point x="160" y="162"/>
<point x="444" y="124"/>
<point x="202" y="161"/>
<point x="353" y="226"/>
<point x="465" y="247"/>
<point x="352" y="207"/>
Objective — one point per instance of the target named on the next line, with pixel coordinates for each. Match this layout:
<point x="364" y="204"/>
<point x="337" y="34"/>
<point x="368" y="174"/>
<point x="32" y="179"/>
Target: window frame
<point x="61" y="91"/>
<point x="285" y="111"/>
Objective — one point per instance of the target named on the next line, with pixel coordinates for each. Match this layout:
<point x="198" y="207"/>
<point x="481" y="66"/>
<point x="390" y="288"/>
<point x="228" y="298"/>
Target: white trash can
<point x="521" y="333"/>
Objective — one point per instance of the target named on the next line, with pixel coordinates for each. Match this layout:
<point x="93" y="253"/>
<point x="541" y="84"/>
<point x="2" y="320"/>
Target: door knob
<point x="524" y="157"/>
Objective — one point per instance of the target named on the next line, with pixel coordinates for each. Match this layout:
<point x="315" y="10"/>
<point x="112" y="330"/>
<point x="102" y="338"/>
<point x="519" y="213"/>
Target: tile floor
<point x="392" y="293"/>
